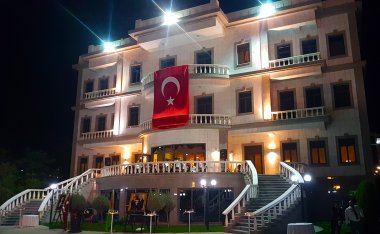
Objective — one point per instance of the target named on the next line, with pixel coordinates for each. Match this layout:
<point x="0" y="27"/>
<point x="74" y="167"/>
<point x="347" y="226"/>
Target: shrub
<point x="101" y="205"/>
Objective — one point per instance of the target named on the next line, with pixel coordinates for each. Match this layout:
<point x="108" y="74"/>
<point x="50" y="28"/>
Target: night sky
<point x="44" y="41"/>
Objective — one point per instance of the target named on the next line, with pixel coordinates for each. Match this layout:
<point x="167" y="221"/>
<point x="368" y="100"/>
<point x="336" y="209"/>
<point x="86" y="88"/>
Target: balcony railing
<point x="305" y="58"/>
<point x="99" y="93"/>
<point x="202" y="119"/>
<point x="209" y="70"/>
<point x="97" y="135"/>
<point x="299" y="113"/>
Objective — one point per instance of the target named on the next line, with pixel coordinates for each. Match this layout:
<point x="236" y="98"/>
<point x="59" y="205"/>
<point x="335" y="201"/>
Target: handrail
<point x="298" y="113"/>
<point x="99" y="93"/>
<point x="282" y="203"/>
<point x="21" y="198"/>
<point x="249" y="191"/>
<point x="298" y="59"/>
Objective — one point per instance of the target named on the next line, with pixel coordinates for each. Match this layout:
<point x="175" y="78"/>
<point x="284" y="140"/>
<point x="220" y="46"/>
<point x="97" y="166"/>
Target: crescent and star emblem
<point x="167" y="80"/>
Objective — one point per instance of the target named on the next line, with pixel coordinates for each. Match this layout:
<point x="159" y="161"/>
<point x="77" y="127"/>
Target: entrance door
<point x="255" y="154"/>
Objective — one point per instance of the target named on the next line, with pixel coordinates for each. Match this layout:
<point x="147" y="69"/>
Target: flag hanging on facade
<point x="171" y="97"/>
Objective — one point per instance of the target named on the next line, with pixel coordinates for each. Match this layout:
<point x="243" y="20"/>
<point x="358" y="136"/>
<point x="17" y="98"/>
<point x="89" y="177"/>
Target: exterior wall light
<point x="170" y="18"/>
<point x="266" y="10"/>
<point x="108" y="47"/>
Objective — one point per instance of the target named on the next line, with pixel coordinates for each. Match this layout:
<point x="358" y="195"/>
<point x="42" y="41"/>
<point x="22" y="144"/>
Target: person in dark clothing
<point x="337" y="218"/>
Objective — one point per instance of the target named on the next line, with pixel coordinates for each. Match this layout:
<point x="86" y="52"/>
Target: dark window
<point x="107" y="161"/>
<point x="112" y="120"/>
<point x="284" y="51"/>
<point x="313" y="97"/>
<point x="82" y="165"/>
<point x="347" y="150"/>
<point x="135" y="74"/>
<point x="98" y="162"/>
<point x="203" y="57"/>
<point x="336" y="45"/>
<point x="309" y="46"/>
<point x="133" y="116"/>
<point x="286" y="100"/>
<point x="167" y="62"/>
<point x="89" y="86"/>
<point x="342" y="95"/>
<point x="101" y="125"/>
<point x="289" y="152"/>
<point x="318" y="152"/>
<point x="245" y="101"/>
<point x="243" y="54"/>
<point x="115" y="160"/>
<point x="103" y="84"/>
<point x="204" y="105"/>
<point x="86" y="125"/>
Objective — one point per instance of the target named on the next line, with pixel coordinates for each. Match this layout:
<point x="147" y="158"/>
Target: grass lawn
<point x="128" y="228"/>
<point x="327" y="228"/>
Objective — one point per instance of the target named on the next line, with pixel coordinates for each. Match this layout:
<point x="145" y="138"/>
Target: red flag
<point x="171" y="97"/>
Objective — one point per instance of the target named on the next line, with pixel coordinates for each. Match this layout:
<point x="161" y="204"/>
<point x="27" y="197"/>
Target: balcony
<point x="299" y="59"/>
<point x="198" y="71"/>
<point x="99" y="93"/>
<point x="96" y="135"/>
<point x="198" y="119"/>
<point x="298" y="113"/>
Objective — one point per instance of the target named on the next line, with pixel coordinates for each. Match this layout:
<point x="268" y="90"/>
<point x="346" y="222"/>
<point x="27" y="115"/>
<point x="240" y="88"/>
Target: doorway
<point x="255" y="154"/>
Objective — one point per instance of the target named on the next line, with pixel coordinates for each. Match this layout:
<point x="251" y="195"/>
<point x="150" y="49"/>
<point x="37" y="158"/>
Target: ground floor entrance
<point x="255" y="154"/>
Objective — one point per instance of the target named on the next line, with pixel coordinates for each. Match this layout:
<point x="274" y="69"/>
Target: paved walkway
<point x="46" y="230"/>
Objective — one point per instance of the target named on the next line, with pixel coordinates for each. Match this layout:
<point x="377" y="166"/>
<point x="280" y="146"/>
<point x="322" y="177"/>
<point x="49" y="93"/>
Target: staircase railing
<point x="73" y="185"/>
<point x="278" y="206"/>
<point x="249" y="191"/>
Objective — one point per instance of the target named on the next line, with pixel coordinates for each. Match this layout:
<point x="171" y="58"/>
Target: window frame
<point x="238" y="92"/>
<point x="96" y="157"/>
<point x="203" y="50"/>
<point x="294" y="98"/>
<point x="308" y="39"/>
<point x="236" y="55"/>
<point x="335" y="33"/>
<point x="320" y="86"/>
<point x="130" y="73"/>
<point x="129" y="116"/>
<point x="282" y="156"/>
<point x="82" y="124"/>
<point x="79" y="163"/>
<point x="167" y="57"/>
<point x="203" y="96"/>
<point x="100" y="82"/>
<point x="348" y="82"/>
<point x="85" y="85"/>
<point x="97" y="122"/>
<point x="325" y="140"/>
<point x="290" y="43"/>
<point x="356" y="145"/>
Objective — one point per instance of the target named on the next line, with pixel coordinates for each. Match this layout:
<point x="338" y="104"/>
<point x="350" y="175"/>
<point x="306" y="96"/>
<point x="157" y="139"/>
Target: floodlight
<point x="307" y="177"/>
<point x="108" y="47"/>
<point x="213" y="182"/>
<point x="203" y="182"/>
<point x="53" y="186"/>
<point x="266" y="10"/>
<point x="170" y="18"/>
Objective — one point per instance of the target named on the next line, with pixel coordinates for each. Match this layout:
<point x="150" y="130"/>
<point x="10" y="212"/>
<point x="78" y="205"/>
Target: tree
<point x="101" y="205"/>
<point x="155" y="202"/>
<point x="169" y="205"/>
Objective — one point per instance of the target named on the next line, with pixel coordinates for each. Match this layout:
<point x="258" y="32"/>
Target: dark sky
<point x="44" y="41"/>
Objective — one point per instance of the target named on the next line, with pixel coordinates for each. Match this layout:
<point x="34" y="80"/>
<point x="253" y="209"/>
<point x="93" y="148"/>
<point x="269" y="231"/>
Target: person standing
<point x="354" y="215"/>
<point x="337" y="218"/>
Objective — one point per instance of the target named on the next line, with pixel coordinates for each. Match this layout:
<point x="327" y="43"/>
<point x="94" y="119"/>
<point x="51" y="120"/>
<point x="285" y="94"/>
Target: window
<point x="347" y="150"/>
<point x="99" y="162"/>
<point x="115" y="160"/>
<point x="135" y="74"/>
<point x="317" y="152"/>
<point x="342" y="95"/>
<point x="89" y="86"/>
<point x="101" y="123"/>
<point x="289" y="152"/>
<point x="107" y="161"/>
<point x="309" y="46"/>
<point x="86" y="125"/>
<point x="112" y="120"/>
<point x="133" y="116"/>
<point x="204" y="105"/>
<point x="286" y="100"/>
<point x="245" y="101"/>
<point x="103" y="84"/>
<point x="313" y="97"/>
<point x="284" y="51"/>
<point x="336" y="45"/>
<point x="82" y="165"/>
<point x="243" y="54"/>
<point x="167" y="62"/>
<point x="203" y="57"/>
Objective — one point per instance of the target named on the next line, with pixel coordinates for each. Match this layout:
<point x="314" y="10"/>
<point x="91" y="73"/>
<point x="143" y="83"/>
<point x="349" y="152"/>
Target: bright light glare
<point x="213" y="182"/>
<point x="294" y="178"/>
<point x="266" y="10"/>
<point x="378" y="141"/>
<point x="307" y="178"/>
<point x="170" y="18"/>
<point x="108" y="47"/>
<point x="53" y="186"/>
<point x="203" y="182"/>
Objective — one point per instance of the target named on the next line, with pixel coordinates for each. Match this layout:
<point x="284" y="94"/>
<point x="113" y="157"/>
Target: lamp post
<point x="52" y="187"/>
<point x="206" y="204"/>
<point x="306" y="178"/>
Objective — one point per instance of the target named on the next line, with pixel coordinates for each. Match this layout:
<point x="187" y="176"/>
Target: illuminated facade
<point x="284" y="88"/>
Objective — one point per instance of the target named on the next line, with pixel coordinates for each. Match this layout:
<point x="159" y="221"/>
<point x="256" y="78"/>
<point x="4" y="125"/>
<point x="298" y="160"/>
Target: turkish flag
<point x="171" y="97"/>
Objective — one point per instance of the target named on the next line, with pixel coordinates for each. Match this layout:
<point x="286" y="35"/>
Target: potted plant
<point x="77" y="205"/>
